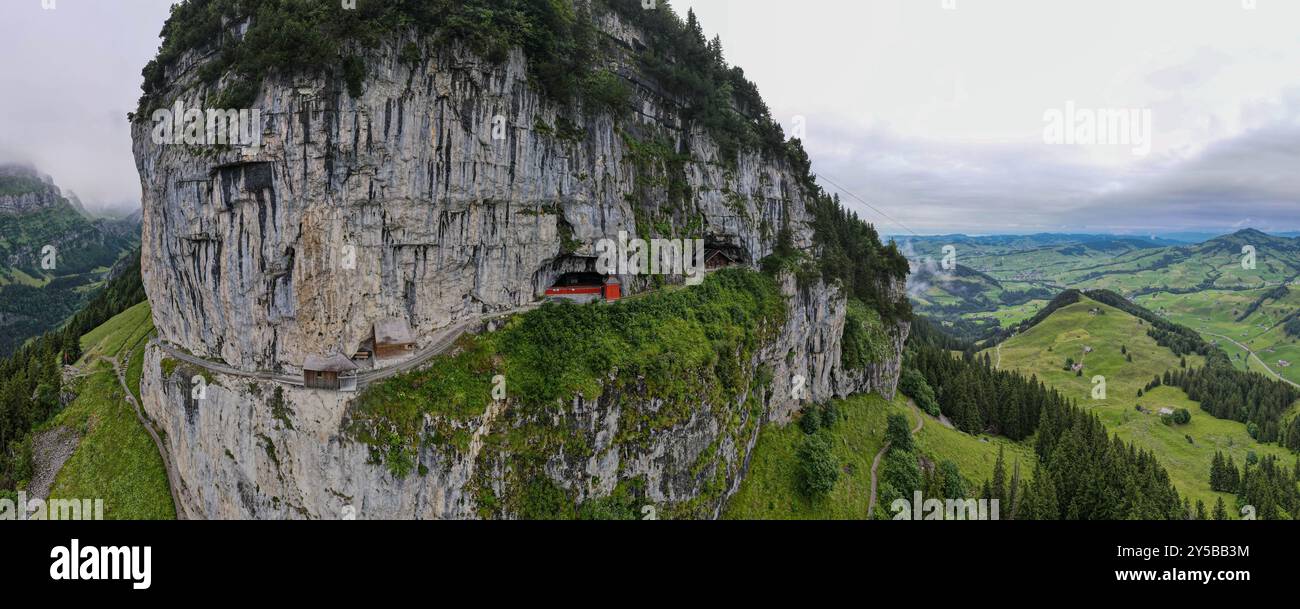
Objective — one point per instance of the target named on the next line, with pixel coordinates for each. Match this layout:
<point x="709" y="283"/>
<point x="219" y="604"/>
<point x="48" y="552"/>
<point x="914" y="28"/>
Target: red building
<point x="585" y="287"/>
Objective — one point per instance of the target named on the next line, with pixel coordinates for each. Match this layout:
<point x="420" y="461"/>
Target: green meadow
<point x="1185" y="450"/>
<point x="115" y="460"/>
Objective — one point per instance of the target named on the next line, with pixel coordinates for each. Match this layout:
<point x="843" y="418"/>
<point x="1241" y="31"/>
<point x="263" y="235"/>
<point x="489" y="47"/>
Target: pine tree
<point x="1000" y="477"/>
<point x="1044" y="496"/>
<point x="954" y="486"/>
<point x="1200" y="510"/>
<point x="715" y="49"/>
<point x="1014" y="492"/>
<point x="1220" y="511"/>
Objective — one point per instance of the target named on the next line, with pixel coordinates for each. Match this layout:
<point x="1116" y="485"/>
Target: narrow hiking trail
<point x="875" y="464"/>
<point x="442" y="342"/>
<point x="173" y="480"/>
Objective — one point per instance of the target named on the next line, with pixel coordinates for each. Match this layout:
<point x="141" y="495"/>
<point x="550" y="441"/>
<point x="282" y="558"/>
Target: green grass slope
<point x="116" y="460"/>
<point x="119" y="335"/>
<point x="1043" y="349"/>
<point x="770" y="490"/>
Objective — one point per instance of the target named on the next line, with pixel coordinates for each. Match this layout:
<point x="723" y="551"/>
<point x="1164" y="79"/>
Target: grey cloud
<point x="70" y="77"/>
<point x="937" y="187"/>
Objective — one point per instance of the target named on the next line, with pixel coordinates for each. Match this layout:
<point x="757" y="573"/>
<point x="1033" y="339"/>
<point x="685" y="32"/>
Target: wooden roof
<point x="392" y="331"/>
<point x="715" y="253"/>
<point x="329" y="363"/>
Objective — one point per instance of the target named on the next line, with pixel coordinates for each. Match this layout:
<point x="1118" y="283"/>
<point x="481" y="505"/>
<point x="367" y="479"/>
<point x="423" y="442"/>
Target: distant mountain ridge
<point x="23" y="189"/>
<point x="53" y="254"/>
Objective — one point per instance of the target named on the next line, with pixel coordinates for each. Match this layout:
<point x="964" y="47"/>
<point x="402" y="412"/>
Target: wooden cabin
<point x="718" y="259"/>
<point x="333" y="372"/>
<point x="393" y="339"/>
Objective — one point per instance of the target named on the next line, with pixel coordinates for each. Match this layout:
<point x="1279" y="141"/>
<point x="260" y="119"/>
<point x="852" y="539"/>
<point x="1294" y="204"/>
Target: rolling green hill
<point x="1202" y="286"/>
<point x="1002" y="280"/>
<point x="1241" y="323"/>
<point x="1113" y="336"/>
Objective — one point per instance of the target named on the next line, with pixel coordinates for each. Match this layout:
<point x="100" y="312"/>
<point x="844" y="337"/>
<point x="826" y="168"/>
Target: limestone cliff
<point x="450" y="188"/>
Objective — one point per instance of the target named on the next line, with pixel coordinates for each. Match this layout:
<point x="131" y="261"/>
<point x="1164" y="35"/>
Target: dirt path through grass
<point x="173" y="480"/>
<point x="875" y="464"/>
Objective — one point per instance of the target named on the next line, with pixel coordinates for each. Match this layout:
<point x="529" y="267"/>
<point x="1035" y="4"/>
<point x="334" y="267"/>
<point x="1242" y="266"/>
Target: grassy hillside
<point x="1042" y="351"/>
<point x="1003" y="279"/>
<point x="118" y="335"/>
<point x="771" y="491"/>
<point x="975" y="456"/>
<point x="115" y="460"/>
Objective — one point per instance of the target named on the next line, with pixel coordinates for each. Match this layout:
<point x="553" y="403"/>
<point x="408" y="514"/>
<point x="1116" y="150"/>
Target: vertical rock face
<point x="260" y="450"/>
<point x="448" y="189"/>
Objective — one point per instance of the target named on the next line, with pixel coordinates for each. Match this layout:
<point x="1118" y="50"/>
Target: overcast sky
<point x="69" y="77"/>
<point x="935" y="116"/>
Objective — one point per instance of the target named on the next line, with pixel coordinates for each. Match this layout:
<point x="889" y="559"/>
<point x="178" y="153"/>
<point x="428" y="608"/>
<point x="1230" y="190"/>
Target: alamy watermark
<point x="624" y="256"/>
<point x="111" y="563"/>
<point x="1248" y="257"/>
<point x="1102" y="126"/>
<point x="212" y="127"/>
<point x="52" y="509"/>
<point x="920" y="508"/>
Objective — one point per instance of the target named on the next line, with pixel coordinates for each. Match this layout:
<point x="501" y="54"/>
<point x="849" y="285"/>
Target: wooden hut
<point x="718" y="259"/>
<point x="393" y="339"/>
<point x="333" y="372"/>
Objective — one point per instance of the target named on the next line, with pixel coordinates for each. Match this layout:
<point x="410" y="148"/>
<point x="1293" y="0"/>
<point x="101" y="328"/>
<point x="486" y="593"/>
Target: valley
<point x="1237" y="291"/>
<point x="54" y="256"/>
